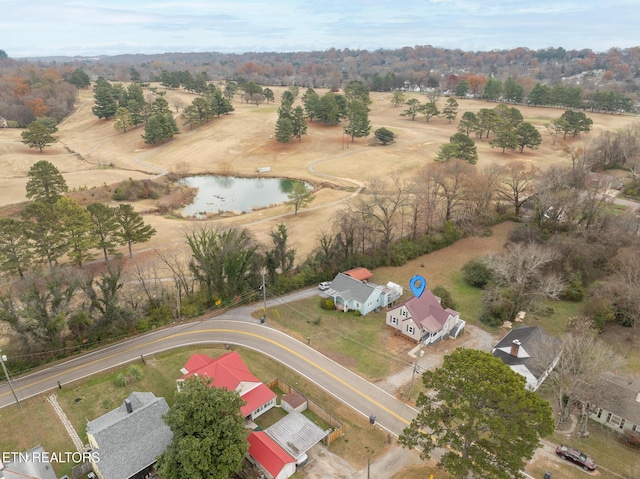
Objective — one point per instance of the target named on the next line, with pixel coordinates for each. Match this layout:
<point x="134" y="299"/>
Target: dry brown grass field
<point x="91" y="153"/>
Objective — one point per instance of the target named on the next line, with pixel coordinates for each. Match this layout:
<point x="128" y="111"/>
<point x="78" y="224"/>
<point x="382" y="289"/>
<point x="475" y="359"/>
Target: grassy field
<point x="91" y="154"/>
<point x="91" y="398"/>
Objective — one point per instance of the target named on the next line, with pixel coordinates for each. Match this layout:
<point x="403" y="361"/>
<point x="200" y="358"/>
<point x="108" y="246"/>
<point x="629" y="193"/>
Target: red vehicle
<point x="577" y="457"/>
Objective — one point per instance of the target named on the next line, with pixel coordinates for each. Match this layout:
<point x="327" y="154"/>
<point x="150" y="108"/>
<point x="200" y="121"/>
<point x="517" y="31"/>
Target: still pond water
<point x="218" y="194"/>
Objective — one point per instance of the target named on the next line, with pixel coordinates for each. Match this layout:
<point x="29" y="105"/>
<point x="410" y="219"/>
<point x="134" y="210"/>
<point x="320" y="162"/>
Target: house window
<point x="394" y="320"/>
<point x="411" y="329"/>
<point x="599" y="413"/>
<point x="635" y="428"/>
<point x="616" y="420"/>
<point x="403" y="313"/>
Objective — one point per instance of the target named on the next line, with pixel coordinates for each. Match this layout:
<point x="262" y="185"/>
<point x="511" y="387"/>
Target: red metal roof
<point x="229" y="371"/>
<point x="268" y="453"/>
<point x="255" y="398"/>
<point x="362" y="274"/>
<point x="197" y="361"/>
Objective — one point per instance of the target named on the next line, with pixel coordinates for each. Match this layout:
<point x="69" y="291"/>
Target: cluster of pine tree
<point x="52" y="226"/>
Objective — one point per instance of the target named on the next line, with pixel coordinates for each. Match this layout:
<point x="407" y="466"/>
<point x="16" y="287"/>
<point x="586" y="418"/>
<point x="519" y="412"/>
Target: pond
<point x="221" y="194"/>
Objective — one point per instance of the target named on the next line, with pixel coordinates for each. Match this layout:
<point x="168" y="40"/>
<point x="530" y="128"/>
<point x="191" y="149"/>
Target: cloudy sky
<point x="110" y="27"/>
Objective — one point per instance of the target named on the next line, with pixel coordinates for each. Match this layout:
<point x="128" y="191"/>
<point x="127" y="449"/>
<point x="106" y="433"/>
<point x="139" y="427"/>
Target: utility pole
<point x="264" y="294"/>
<point x="3" y="358"/>
<point x="415" y="370"/>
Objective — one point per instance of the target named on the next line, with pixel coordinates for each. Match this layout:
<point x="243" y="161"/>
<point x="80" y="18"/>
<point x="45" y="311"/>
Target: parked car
<point x="324" y="286"/>
<point x="577" y="457"/>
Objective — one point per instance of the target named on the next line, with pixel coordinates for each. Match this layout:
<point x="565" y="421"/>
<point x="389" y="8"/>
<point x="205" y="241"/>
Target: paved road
<point x="238" y="328"/>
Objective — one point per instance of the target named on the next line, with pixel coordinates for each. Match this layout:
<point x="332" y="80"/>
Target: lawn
<point x="357" y="342"/>
<point x="613" y="456"/>
<point x="88" y="399"/>
<point x="36" y="423"/>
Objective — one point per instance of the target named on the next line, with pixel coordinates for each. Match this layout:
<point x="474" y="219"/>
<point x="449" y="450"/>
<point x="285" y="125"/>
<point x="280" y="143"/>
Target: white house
<point x="620" y="409"/>
<point x="424" y="319"/>
<point x="531" y="352"/>
<point x="349" y="293"/>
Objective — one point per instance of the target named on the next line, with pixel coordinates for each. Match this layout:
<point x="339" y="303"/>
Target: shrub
<point x="632" y="437"/>
<point x="131" y="375"/>
<point x="601" y="310"/>
<point x="497" y="308"/>
<point x="575" y="290"/>
<point x="327" y="303"/>
<point x="445" y="297"/>
<point x="477" y="273"/>
<point x="158" y="313"/>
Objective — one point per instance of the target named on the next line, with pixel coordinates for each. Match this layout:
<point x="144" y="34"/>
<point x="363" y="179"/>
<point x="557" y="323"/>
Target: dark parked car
<point x="578" y="457"/>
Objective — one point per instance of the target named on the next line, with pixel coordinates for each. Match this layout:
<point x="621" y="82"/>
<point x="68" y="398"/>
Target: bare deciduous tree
<point x="524" y="272"/>
<point x="579" y="379"/>
<point x="517" y="183"/>
<point x="449" y="178"/>
<point x="382" y="206"/>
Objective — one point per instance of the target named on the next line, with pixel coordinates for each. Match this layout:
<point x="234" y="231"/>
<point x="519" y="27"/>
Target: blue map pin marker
<point x="417" y="284"/>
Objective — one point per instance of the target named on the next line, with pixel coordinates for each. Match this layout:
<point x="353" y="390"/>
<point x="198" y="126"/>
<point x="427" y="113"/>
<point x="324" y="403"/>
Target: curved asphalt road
<point x="238" y="328"/>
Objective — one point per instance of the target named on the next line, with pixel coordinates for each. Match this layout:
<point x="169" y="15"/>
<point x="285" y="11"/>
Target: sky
<point x="111" y="27"/>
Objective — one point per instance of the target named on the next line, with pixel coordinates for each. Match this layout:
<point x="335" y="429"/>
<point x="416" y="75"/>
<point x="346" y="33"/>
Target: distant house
<point x="229" y="371"/>
<point x="603" y="181"/>
<point x="620" y="409"/>
<point x="351" y="294"/>
<point x="531" y="352"/>
<point x="31" y="464"/>
<point x="129" y="439"/>
<point x="3" y="123"/>
<point x="269" y="456"/>
<point x="423" y="319"/>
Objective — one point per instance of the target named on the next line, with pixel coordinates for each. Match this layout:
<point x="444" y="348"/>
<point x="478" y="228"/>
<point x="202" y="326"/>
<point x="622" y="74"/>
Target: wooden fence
<point x="337" y="429"/>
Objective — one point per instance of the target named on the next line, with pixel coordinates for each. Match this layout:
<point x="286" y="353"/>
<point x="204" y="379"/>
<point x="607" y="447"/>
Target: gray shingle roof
<point x="537" y="349"/>
<point x="129" y="442"/>
<point x="349" y="288"/>
<point x="623" y="398"/>
<point x="37" y="467"/>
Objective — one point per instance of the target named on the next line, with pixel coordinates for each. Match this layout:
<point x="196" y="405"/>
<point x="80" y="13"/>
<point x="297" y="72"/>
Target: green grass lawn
<point x="36" y="423"/>
<point x="356" y="342"/>
<point x="613" y="456"/>
<point x="93" y="397"/>
<point x="468" y="299"/>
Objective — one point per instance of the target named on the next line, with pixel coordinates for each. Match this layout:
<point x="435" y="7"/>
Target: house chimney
<point x="515" y="347"/>
<point x="128" y="406"/>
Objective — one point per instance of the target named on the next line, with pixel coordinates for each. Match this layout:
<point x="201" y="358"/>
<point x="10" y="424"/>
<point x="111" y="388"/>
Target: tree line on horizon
<point x="608" y="81"/>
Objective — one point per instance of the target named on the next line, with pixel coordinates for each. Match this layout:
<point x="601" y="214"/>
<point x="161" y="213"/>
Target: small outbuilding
<point x="294" y="401"/>
<point x="269" y="456"/>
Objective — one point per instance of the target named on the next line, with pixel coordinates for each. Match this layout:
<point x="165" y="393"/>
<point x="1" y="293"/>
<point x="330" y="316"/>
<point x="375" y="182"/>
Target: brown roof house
<point x="423" y="319"/>
<point x="531" y="352"/>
